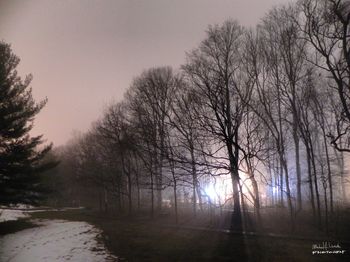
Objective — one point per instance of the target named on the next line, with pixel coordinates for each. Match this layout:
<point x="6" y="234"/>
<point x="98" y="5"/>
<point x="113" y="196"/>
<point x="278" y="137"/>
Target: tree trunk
<point x="129" y="195"/>
<point x="342" y="177"/>
<point x="340" y="160"/>
<point x="159" y="185"/>
<point x="244" y="213"/>
<point x="256" y="199"/>
<point x="194" y="181"/>
<point x="105" y="199"/>
<point x="316" y="186"/>
<point x="326" y="205"/>
<point x="152" y="194"/>
<point x="329" y="174"/>
<point x="137" y="183"/>
<point x="309" y="171"/>
<point x="297" y="167"/>
<point x="175" y="204"/>
<point x="236" y="222"/>
<point x="289" y="196"/>
<point x="100" y="198"/>
<point x="281" y="183"/>
<point x="196" y="188"/>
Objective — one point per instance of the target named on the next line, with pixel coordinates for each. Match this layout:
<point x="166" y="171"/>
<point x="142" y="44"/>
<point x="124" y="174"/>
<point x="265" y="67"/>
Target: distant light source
<point x="274" y="190"/>
<point x="211" y="192"/>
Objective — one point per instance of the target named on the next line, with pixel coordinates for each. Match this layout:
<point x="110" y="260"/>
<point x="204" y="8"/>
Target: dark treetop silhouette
<point x="20" y="159"/>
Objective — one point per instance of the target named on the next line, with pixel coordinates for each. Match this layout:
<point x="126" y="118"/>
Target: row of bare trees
<point x="267" y="109"/>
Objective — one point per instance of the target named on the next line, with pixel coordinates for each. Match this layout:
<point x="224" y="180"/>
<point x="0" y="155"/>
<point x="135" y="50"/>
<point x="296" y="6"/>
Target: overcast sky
<point x="84" y="53"/>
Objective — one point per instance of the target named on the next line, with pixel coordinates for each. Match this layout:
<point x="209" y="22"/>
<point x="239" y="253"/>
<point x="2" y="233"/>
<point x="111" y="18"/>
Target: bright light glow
<point x="210" y="191"/>
<point x="218" y="190"/>
<point x="275" y="190"/>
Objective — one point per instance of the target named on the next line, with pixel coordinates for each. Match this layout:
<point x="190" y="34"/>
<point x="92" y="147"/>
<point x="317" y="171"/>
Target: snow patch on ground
<point x="17" y="206"/>
<point x="23" y="211"/>
<point x="11" y="214"/>
<point x="55" y="240"/>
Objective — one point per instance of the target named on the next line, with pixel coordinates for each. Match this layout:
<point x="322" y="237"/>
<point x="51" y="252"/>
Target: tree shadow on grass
<point x="237" y="246"/>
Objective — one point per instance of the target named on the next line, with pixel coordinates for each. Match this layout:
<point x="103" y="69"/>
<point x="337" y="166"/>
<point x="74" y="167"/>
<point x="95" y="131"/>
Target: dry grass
<point x="145" y="240"/>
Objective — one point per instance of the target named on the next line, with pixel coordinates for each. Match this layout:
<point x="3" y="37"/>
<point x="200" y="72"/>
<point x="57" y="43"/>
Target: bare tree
<point x="326" y="26"/>
<point x="183" y="120"/>
<point x="269" y="100"/>
<point x="149" y="98"/>
<point x="213" y="70"/>
<point x="114" y="128"/>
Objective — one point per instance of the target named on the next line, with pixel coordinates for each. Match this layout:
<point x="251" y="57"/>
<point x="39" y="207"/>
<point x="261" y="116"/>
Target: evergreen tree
<point x="21" y="162"/>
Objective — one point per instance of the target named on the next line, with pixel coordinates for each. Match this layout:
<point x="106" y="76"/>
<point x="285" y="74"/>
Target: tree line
<point x="266" y="109"/>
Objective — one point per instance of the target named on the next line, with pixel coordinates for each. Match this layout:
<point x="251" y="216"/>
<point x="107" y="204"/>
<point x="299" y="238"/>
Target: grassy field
<point x="146" y="240"/>
<point x="9" y="227"/>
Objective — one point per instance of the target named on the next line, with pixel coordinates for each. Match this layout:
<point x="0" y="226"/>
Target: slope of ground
<point x="7" y="214"/>
<point x="23" y="239"/>
<point x="142" y="239"/>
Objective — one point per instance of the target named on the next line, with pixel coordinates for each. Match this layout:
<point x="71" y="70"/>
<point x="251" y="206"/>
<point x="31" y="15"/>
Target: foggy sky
<point x="83" y="54"/>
